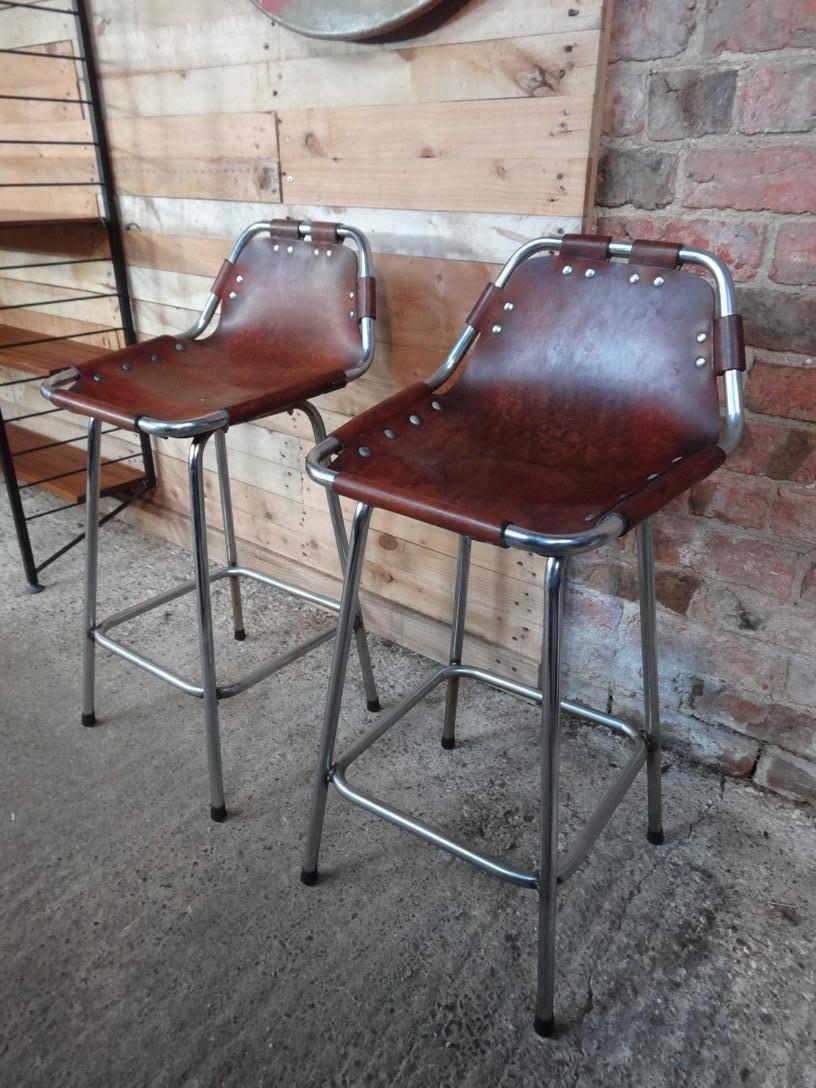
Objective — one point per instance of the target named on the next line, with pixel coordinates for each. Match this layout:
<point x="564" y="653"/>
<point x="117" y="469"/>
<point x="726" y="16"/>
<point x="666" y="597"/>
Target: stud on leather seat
<point x="296" y="320"/>
<point x="581" y="397"/>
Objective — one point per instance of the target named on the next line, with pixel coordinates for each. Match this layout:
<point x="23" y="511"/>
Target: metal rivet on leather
<point x="351" y="313"/>
<point x="437" y="407"/>
<point x="590" y="517"/>
<point x="127" y="366"/>
<point x="653" y="476"/>
<point x="328" y="253"/>
<point x="496" y="328"/>
<point x="415" y="420"/>
<point x="566" y="270"/>
<point x="290" y="249"/>
<point x="179" y="347"/>
<point x="590" y="272"/>
<point x="276" y="247"/>
<point x="239" y="279"/>
<point x="233" y="294"/>
<point x="701" y="337"/>
<point x="364" y="451"/>
<point x="389" y="433"/>
<point x="97" y="377"/>
<point x="700" y="361"/>
<point x="676" y="459"/>
<point x="508" y="306"/>
<point x="317" y="253"/>
<point x="351" y="294"/>
<point x="634" y="278"/>
<point x="155" y="358"/>
<point x="658" y="281"/>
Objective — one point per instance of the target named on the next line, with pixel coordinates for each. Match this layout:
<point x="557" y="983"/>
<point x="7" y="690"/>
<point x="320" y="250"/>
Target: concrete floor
<point x="140" y="944"/>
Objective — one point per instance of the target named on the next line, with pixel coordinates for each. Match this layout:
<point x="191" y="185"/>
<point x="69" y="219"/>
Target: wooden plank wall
<point x="448" y="149"/>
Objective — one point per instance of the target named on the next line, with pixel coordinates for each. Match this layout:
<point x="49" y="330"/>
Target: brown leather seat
<point x="288" y="331"/>
<point x="592" y="389"/>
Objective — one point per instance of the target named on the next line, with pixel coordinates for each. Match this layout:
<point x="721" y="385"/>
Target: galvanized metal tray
<point x="344" y="19"/>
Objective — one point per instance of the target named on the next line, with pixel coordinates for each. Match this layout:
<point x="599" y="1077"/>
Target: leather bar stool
<point x="296" y="321"/>
<point x="586" y="398"/>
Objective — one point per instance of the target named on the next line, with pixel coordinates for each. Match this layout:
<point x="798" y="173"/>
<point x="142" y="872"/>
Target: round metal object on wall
<point x="344" y="19"/>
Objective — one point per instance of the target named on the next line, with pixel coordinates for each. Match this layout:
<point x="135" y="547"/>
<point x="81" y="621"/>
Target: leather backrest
<point x="604" y="356"/>
<point x="292" y="302"/>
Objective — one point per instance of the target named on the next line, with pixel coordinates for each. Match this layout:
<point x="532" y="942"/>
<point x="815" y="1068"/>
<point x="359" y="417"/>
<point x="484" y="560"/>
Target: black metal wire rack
<point x="126" y="491"/>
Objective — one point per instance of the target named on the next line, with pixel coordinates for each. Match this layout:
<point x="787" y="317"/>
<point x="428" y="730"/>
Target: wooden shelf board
<point x="46" y="357"/>
<point x="64" y="459"/>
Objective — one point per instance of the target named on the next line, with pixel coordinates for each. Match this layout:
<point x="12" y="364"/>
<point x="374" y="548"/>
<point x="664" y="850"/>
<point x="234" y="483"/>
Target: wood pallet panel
<point x="43" y="358"/>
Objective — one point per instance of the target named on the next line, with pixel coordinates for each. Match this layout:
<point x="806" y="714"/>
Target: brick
<point x="794" y="514"/>
<point x="647" y="29"/>
<point x="781" y="178"/>
<point x="733" y="499"/>
<point x="739" y="610"/>
<point x="675" y="589"/>
<point x="710" y="744"/>
<point x="787" y="391"/>
<point x="740" y="245"/>
<point x="752" y="26"/>
<point x="801" y="684"/>
<point x="778" y="98"/>
<point x="690" y="102"/>
<point x="793" y="730"/>
<point x="795" y="254"/>
<point x="781" y="452"/>
<point x="787" y="774"/>
<point x="725" y="556"/>
<point x="624" y="102"/>
<point x="779" y="320"/>
<point x="640" y="176"/>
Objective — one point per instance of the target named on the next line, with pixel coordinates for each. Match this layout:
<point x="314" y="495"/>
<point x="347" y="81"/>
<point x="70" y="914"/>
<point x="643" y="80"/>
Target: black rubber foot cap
<point x="218" y="814"/>
<point x="240" y="634"/>
<point x="89" y="719"/>
<point x="374" y="706"/>
<point x="34" y="587"/>
<point x="448" y="743"/>
<point x="656" y="838"/>
<point x="308" y="877"/>
<point x="545" y="1028"/>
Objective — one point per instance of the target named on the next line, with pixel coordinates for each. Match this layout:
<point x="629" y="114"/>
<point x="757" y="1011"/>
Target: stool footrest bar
<point x="585" y="840"/>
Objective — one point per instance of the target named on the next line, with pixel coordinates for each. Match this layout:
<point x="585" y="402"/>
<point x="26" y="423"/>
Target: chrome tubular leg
<point x="229" y="533"/>
<point x="218" y="810"/>
<point x="550" y="744"/>
<point x="334" y="694"/>
<point x="339" y="529"/>
<point x="91" y="563"/>
<point x="457" y="639"/>
<point x="651" y="698"/>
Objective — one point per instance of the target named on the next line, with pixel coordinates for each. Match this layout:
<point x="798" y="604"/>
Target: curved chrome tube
<point x="58" y="380"/>
<point x="317" y="461"/>
<point x="609" y="528"/>
<point x="366" y="268"/>
<point x="183" y="428"/>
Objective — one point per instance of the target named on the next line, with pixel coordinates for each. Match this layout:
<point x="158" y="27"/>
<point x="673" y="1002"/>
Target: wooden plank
<point x="65" y="462"/>
<point x="48" y="201"/>
<point x="536" y="66"/>
<point x="42" y="358"/>
<point x="138" y="44"/>
<point x="221" y="156"/>
<point x="439" y="130"/>
<point x="21" y="28"/>
<point x="510" y="185"/>
<point x="54" y="241"/>
<point x="487" y="236"/>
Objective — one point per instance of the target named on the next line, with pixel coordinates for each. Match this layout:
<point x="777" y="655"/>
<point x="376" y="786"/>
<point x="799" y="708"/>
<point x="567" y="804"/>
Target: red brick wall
<point x="709" y="140"/>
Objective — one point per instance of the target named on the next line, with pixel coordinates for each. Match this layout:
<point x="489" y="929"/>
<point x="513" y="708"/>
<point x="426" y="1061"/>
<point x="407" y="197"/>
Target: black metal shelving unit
<point x="143" y="481"/>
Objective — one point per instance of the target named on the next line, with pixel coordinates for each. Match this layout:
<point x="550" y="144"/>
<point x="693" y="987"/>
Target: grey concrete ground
<point x="141" y="944"/>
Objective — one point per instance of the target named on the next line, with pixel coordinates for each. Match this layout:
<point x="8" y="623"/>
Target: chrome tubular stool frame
<point x="200" y="430"/>
<point x="556" y="549"/>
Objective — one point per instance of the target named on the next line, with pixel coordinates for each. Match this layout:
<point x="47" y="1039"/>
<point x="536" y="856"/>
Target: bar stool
<point x="296" y="321"/>
<point x="588" y="401"/>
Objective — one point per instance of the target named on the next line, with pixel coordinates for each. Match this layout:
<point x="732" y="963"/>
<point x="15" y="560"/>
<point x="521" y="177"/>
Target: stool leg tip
<point x="308" y="877"/>
<point x="544" y="1028"/>
<point x="373" y="706"/>
<point x="218" y="813"/>
<point x="656" y="838"/>
<point x="34" y="587"/>
<point x="240" y="634"/>
<point x="448" y="743"/>
<point x="88" y="719"/>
